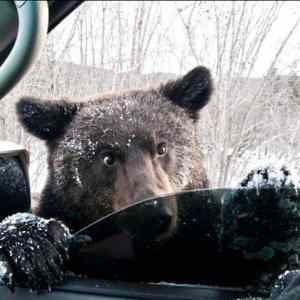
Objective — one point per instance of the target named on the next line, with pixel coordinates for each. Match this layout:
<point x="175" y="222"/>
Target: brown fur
<point x="129" y="127"/>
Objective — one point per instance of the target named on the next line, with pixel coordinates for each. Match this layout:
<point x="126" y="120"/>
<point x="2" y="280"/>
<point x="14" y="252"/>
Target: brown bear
<point x="116" y="149"/>
<point x="107" y="153"/>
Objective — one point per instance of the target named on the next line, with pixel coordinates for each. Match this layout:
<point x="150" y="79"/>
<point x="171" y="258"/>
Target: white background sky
<point x="288" y="16"/>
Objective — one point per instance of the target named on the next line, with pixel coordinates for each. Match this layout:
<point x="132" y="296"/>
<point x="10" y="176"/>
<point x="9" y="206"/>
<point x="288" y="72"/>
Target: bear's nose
<point x="155" y="220"/>
<point x="161" y="220"/>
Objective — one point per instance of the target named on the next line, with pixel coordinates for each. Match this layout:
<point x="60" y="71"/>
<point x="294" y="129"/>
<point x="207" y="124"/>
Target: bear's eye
<point x="162" y="149"/>
<point x="109" y="160"/>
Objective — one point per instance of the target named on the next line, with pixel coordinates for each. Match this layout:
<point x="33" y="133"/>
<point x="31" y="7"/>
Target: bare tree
<point x="237" y="121"/>
<point x="109" y="45"/>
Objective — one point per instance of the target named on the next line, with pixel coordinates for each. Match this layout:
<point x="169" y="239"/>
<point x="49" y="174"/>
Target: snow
<point x="77" y="177"/>
<point x="278" y="175"/>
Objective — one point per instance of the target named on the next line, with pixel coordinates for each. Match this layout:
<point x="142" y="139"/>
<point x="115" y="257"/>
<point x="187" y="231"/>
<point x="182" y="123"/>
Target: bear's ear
<point x="192" y="91"/>
<point x="45" y="119"/>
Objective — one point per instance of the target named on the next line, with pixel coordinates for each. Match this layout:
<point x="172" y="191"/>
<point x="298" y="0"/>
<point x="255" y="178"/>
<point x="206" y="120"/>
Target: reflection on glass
<point x="227" y="237"/>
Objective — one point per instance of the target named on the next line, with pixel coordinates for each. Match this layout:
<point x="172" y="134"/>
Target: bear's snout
<point x="162" y="220"/>
<point x="153" y="220"/>
<point x="142" y="177"/>
<point x="139" y="178"/>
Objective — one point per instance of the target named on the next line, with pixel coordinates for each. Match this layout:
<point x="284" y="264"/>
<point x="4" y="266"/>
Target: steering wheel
<point x="33" y="17"/>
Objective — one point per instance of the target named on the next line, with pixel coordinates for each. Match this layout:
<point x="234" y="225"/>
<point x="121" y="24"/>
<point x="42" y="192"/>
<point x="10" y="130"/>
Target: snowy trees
<point x="249" y="115"/>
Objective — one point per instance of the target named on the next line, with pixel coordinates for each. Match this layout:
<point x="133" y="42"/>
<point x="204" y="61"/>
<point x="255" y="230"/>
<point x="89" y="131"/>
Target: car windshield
<point x="241" y="59"/>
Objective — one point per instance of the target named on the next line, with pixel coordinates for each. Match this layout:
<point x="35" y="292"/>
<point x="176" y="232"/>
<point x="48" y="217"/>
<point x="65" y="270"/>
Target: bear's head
<point x="111" y="151"/>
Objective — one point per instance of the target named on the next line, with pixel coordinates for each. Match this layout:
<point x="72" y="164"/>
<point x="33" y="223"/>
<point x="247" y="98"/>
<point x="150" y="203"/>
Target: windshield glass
<point x="164" y="98"/>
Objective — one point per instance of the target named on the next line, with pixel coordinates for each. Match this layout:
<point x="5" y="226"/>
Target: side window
<point x="252" y="50"/>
